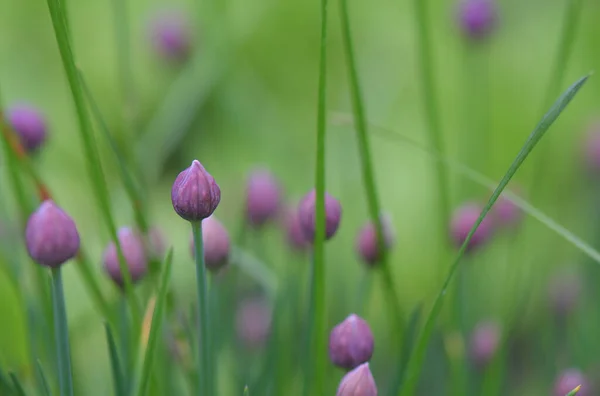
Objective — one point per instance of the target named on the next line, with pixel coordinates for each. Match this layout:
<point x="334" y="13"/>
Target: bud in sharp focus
<point x="484" y="342"/>
<point x="216" y="245"/>
<point x="351" y="343"/>
<point x="477" y="18"/>
<point x="463" y="220"/>
<point x="569" y="380"/>
<point x="29" y="124"/>
<point x="253" y="322"/>
<point x="51" y="236"/>
<point x="195" y="194"/>
<point x="133" y="251"/>
<point x="358" y="382"/>
<point x="307" y="215"/>
<point x="171" y="36"/>
<point x="366" y="241"/>
<point x="262" y="198"/>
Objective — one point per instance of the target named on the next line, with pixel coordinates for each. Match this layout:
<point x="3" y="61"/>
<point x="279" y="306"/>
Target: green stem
<point x="425" y="65"/>
<point x="61" y="331"/>
<point x="205" y="358"/>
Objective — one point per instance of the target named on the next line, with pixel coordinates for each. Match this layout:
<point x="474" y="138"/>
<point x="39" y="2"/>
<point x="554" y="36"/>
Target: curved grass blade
<point x="418" y="355"/>
<point x="368" y="175"/>
<point x="157" y="320"/>
<point x="57" y="14"/>
<point x="43" y="379"/>
<point x="115" y="364"/>
<point x="18" y="388"/>
<point x="574" y="391"/>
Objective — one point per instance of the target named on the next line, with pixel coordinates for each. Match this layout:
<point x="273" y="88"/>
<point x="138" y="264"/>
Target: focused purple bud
<point x="463" y="220"/>
<point x="506" y="213"/>
<point x="156" y="241"/>
<point x="569" y="380"/>
<point x="366" y="241"/>
<point x="195" y="194"/>
<point x="307" y="214"/>
<point x="484" y="343"/>
<point x="351" y="343"/>
<point x="564" y="290"/>
<point x="216" y="244"/>
<point x="51" y="236"/>
<point x="358" y="382"/>
<point x="295" y="235"/>
<point x="171" y="36"/>
<point x="133" y="252"/>
<point x="263" y="197"/>
<point x="477" y="18"/>
<point x="29" y="125"/>
<point x="253" y="322"/>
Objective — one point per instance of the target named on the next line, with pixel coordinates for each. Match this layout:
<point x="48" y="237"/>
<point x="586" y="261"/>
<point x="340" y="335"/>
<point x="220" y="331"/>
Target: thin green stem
<point x="57" y="13"/>
<point x="61" y="331"/>
<point x="426" y="64"/>
<point x="318" y="330"/>
<point x="205" y="358"/>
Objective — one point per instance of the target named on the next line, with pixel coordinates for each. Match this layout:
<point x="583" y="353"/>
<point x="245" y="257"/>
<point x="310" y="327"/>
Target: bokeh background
<point x="246" y="98"/>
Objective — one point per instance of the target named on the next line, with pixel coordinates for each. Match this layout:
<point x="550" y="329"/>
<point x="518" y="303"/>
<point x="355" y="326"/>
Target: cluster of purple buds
<point x="29" y="124"/>
<point x="216" y="244"/>
<point x="307" y="215"/>
<point x="351" y="343"/>
<point x="484" y="343"/>
<point x="367" y="245"/>
<point x="358" y="382"/>
<point x="477" y="18"/>
<point x="171" y="36"/>
<point x="134" y="254"/>
<point x="263" y="198"/>
<point x="569" y="380"/>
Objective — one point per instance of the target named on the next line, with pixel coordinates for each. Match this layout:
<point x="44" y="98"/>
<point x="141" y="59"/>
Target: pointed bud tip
<point x="351" y="342"/>
<point x="195" y="194"/>
<point x="359" y="381"/>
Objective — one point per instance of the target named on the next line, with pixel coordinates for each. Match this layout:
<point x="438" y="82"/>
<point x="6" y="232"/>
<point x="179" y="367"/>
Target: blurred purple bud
<point x="216" y="244"/>
<point x="463" y="220"/>
<point x="569" y="380"/>
<point x="51" y="236"/>
<point x="477" y="18"/>
<point x="307" y="213"/>
<point x="171" y="36"/>
<point x="156" y="240"/>
<point x="484" y="342"/>
<point x="592" y="148"/>
<point x="262" y="197"/>
<point x="29" y="125"/>
<point x="358" y="382"/>
<point x="564" y="290"/>
<point x="195" y="194"/>
<point x="351" y="343"/>
<point x="506" y="213"/>
<point x="133" y="252"/>
<point x="366" y="241"/>
<point x="295" y="235"/>
<point x="253" y="322"/>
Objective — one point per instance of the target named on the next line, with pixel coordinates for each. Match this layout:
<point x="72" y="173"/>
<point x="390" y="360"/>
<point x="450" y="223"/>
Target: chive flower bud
<point x="29" y="124"/>
<point x="253" y="322"/>
<point x="351" y="343"/>
<point x="170" y="35"/>
<point x="294" y="233"/>
<point x="484" y="343"/>
<point x="477" y="18"/>
<point x="195" y="194"/>
<point x="133" y="252"/>
<point x="366" y="241"/>
<point x="263" y="198"/>
<point x="156" y="241"/>
<point x="216" y="245"/>
<point x="463" y="220"/>
<point x="358" y="382"/>
<point x="51" y="236"/>
<point x="569" y="380"/>
<point x="307" y="215"/>
<point x="506" y="213"/>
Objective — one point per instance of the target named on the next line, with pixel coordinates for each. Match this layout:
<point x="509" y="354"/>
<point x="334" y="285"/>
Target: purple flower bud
<point x="366" y="241"/>
<point x="358" y="382"/>
<point x="51" y="236"/>
<point x="133" y="252"/>
<point x="477" y="18"/>
<point x="156" y="240"/>
<point x="29" y="124"/>
<point x="195" y="195"/>
<point x="171" y="36"/>
<point x="253" y="322"/>
<point x="569" y="380"/>
<point x="506" y="213"/>
<point x="484" y="342"/>
<point x="262" y="198"/>
<point x="216" y="245"/>
<point x="295" y="235"/>
<point x="563" y="291"/>
<point x="463" y="220"/>
<point x="351" y="343"/>
<point x="307" y="214"/>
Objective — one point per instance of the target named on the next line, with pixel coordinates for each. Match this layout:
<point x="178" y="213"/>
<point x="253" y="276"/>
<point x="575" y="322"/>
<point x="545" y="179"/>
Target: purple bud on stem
<point x="29" y="125"/>
<point x="263" y="198"/>
<point x="366" y="241"/>
<point x="351" y="343"/>
<point x="307" y="214"/>
<point x="133" y="252"/>
<point x="484" y="343"/>
<point x="463" y="220"/>
<point x="195" y="194"/>
<point x="358" y="382"/>
<point x="477" y="18"/>
<point x="294" y="233"/>
<point x="171" y="36"/>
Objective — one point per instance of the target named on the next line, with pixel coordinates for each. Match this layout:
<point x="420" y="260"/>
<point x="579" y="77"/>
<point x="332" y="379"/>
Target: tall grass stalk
<point x="61" y="332"/>
<point x="426" y="66"/>
<point x="416" y="360"/>
<point x="57" y="14"/>
<point x="205" y="358"/>
<point x="318" y="330"/>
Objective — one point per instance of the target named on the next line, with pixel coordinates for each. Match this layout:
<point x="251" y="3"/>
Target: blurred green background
<point x="248" y="98"/>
